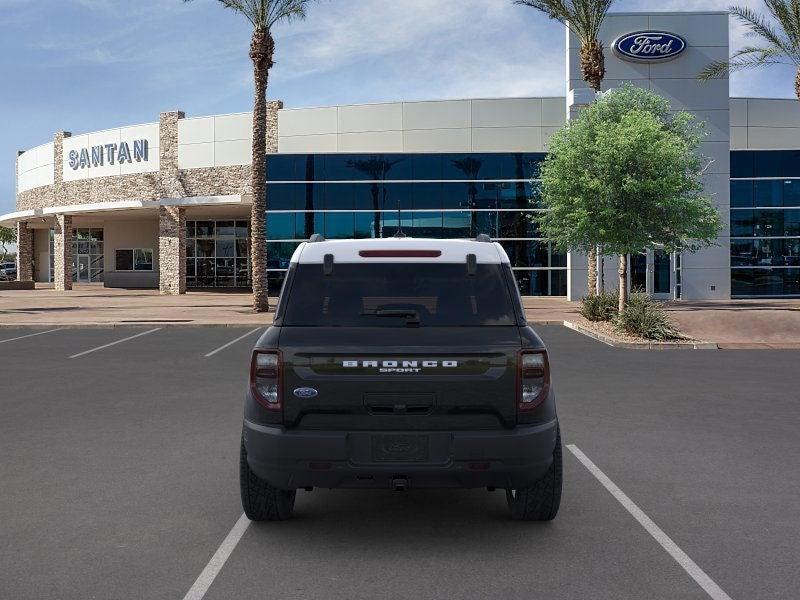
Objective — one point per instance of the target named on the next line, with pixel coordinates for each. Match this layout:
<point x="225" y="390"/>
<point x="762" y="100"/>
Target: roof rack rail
<point x="482" y="237"/>
<point x="316" y="237"/>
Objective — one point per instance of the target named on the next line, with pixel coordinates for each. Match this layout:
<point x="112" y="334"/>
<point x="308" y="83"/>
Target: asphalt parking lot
<point x="118" y="479"/>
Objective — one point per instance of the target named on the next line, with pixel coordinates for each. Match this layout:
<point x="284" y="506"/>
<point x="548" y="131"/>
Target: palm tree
<point x="584" y="19"/>
<point x="471" y="167"/>
<point x="780" y="41"/>
<point x="263" y="15"/>
<point x="376" y="168"/>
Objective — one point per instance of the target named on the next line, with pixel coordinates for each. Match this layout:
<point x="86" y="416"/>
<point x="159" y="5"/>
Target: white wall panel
<point x="616" y="69"/>
<point x="717" y="124"/>
<point x="308" y="121"/>
<point x="691" y="94"/>
<point x="446" y="114"/>
<point x="773" y="113"/>
<point x="766" y="138"/>
<point x="119" y="135"/>
<point x="130" y="168"/>
<point x="554" y="111"/>
<point x="299" y="144"/>
<point x="507" y="139"/>
<point x="35" y="167"/>
<point x="234" y="152"/>
<point x="507" y="112"/>
<point x="233" y="127"/>
<point x="147" y="131"/>
<point x="195" y="156"/>
<point x="101" y="138"/>
<point x="76" y="142"/>
<point x="691" y="62"/>
<point x="26" y="161"/>
<point x="371" y="141"/>
<point x="437" y="140"/>
<point x="720" y="154"/>
<point x="698" y="283"/>
<point x="709" y="29"/>
<point x="739" y="138"/>
<point x="738" y="108"/>
<point x="196" y="131"/>
<point x="24" y="181"/>
<point x="370" y="117"/>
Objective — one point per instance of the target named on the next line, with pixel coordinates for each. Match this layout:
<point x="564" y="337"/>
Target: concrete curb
<point x="640" y="345"/>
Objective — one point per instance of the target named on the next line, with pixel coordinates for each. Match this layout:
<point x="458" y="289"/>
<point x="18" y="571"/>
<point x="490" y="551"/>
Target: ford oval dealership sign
<point x="649" y="46"/>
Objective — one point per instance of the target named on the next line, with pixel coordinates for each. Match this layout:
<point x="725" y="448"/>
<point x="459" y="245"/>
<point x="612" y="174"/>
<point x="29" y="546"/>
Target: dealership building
<point x="167" y="204"/>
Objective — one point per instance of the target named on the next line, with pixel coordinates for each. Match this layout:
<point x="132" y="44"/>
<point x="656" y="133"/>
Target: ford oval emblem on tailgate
<point x="305" y="392"/>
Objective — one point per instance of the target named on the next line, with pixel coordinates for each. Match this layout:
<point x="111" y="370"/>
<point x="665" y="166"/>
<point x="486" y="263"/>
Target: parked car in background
<point x="8" y="271"/>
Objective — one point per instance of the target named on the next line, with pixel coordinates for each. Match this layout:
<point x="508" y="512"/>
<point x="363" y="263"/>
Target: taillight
<point x="265" y="378"/>
<point x="534" y="378"/>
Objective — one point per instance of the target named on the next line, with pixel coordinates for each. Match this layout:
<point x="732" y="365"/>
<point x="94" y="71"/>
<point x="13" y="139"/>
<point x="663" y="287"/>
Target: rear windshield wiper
<point x="411" y="316"/>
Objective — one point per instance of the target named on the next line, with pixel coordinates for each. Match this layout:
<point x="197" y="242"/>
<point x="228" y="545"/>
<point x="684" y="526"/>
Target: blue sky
<point x="84" y="65"/>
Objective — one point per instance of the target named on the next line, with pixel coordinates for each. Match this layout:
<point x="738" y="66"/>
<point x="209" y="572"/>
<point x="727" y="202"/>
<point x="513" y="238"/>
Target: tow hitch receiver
<point x="399" y="483"/>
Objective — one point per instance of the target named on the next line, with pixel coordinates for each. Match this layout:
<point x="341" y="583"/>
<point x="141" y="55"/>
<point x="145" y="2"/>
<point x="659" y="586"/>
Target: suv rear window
<point x="398" y="295"/>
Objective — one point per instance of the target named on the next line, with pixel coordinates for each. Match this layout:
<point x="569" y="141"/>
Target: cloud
<point x="426" y="49"/>
<point x="114" y="62"/>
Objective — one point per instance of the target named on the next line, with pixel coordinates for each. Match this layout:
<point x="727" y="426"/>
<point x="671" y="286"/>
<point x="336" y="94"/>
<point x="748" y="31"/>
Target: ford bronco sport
<point x="400" y="363"/>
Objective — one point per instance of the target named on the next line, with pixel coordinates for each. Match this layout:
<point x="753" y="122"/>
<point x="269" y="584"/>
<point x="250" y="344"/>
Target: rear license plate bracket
<point x="400" y="448"/>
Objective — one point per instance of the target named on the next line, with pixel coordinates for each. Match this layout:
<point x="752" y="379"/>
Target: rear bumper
<point x="290" y="459"/>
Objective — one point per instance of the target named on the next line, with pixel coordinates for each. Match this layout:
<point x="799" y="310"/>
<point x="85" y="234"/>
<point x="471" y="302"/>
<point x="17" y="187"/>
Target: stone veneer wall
<point x="62" y="251"/>
<point x="217" y="181"/>
<point x="169" y="182"/>
<point x="24" y="252"/>
<point x="172" y="250"/>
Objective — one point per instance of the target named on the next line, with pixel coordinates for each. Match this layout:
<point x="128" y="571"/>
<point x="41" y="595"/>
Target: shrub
<point x="601" y="307"/>
<point x="644" y="317"/>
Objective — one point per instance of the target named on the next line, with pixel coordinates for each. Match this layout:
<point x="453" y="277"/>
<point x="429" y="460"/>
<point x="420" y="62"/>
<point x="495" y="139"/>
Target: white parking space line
<point x="214" y="566"/>
<point x="232" y="342"/>
<point x="115" y="343"/>
<point x="30" y="335"/>
<point x="688" y="565"/>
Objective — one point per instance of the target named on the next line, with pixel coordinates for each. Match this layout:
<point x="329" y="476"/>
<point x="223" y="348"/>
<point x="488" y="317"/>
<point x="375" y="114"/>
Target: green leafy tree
<point x="584" y="19"/>
<point x="8" y="236"/>
<point x="778" y="40"/>
<point x="626" y="174"/>
<point x="263" y="15"/>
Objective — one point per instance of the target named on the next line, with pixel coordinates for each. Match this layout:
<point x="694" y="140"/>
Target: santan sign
<point x="97" y="156"/>
<point x="649" y="46"/>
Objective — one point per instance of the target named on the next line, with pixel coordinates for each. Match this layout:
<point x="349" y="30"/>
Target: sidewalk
<point x="733" y="324"/>
<point x="91" y="305"/>
<point x="741" y="323"/>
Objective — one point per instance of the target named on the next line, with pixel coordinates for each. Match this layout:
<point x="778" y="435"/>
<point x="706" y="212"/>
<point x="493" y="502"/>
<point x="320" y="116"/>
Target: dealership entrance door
<point x="87" y="251"/>
<point x="652" y="272"/>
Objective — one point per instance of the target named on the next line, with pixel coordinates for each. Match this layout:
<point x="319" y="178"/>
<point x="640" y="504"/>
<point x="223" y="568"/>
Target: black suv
<point x="400" y="363"/>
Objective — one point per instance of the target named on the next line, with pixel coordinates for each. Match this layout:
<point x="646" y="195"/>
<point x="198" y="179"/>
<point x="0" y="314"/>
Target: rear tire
<point x="261" y="501"/>
<point x="540" y="501"/>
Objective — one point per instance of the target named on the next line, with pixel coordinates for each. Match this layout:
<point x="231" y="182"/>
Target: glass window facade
<point x="217" y="254"/>
<point x="765" y="223"/>
<point x="427" y="195"/>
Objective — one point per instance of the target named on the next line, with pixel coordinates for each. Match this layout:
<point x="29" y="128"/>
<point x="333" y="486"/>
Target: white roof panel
<point x="349" y="251"/>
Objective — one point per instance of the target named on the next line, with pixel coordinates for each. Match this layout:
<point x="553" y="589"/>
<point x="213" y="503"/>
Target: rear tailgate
<point x="428" y="378"/>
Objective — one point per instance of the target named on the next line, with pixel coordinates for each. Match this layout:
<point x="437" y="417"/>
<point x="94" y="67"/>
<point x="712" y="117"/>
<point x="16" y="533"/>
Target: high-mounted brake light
<point x="533" y="378"/>
<point x="265" y="378"/>
<point x="399" y="253"/>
